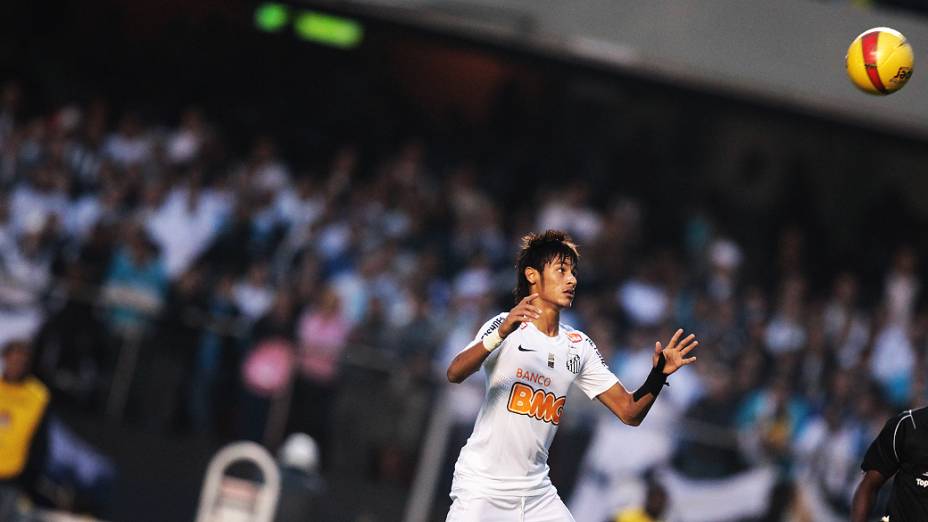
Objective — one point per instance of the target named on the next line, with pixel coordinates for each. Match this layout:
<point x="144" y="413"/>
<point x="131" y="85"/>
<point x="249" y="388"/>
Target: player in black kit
<point x="901" y="449"/>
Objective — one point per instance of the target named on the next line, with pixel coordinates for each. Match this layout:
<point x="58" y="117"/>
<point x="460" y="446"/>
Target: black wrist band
<point x="655" y="382"/>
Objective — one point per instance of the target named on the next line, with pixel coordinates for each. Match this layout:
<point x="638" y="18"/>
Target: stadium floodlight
<point x="271" y="17"/>
<point x="327" y="29"/>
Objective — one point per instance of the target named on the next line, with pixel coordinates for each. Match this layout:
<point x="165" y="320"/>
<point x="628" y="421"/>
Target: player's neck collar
<point x="557" y="327"/>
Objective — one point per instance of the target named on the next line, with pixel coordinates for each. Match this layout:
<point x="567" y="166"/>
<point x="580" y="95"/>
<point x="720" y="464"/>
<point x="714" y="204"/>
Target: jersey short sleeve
<point x="595" y="376"/>
<point x="489" y="326"/>
<point x="885" y="451"/>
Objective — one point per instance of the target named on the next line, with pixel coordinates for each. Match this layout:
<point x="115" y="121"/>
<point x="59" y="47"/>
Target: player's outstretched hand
<point x="675" y="352"/>
<point x="524" y="311"/>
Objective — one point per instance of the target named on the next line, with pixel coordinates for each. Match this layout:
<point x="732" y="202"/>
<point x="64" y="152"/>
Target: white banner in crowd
<point x="744" y="495"/>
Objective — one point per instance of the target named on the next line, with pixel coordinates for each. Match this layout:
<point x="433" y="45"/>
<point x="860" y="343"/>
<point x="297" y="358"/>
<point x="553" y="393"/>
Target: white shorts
<point x="546" y="507"/>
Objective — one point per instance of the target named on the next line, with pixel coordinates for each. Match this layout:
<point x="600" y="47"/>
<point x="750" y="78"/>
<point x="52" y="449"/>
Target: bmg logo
<point x="537" y="404"/>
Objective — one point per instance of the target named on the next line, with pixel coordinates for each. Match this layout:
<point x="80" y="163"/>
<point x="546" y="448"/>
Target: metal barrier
<point x="231" y="499"/>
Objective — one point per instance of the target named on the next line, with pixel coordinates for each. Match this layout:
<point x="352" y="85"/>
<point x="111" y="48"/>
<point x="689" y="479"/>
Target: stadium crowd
<point x="374" y="266"/>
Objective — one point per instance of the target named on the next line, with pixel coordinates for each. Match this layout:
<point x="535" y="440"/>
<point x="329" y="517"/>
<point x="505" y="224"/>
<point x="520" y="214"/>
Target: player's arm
<point x="865" y="495"/>
<point x="881" y="461"/>
<point x="469" y="360"/>
<point x="631" y="408"/>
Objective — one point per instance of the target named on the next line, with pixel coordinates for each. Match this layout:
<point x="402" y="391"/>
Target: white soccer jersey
<point x="527" y="381"/>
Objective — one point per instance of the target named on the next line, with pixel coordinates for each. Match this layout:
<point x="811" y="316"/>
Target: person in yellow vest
<point x="655" y="503"/>
<point x="23" y="408"/>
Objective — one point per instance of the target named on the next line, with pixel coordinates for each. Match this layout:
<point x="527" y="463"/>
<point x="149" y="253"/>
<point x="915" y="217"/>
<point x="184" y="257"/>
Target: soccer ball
<point x="879" y="61"/>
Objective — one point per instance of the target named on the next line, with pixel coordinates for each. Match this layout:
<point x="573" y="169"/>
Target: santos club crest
<point x="573" y="362"/>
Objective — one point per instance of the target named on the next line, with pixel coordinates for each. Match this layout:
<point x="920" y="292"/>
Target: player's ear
<point x="531" y="275"/>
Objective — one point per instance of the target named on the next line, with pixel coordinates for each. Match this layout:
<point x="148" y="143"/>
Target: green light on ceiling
<point x="326" y="29"/>
<point x="271" y="17"/>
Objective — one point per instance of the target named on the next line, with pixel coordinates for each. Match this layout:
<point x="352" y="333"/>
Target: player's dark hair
<point x="540" y="249"/>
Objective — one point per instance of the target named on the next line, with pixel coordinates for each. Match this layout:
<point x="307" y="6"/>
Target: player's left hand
<point x="675" y="352"/>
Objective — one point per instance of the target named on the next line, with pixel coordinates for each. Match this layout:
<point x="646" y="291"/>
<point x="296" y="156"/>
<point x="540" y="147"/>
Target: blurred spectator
<point x="571" y="212"/>
<point x="655" y="504"/>
<point x="254" y="294"/>
<point x="25" y="275"/>
<point x="33" y="203"/>
<point x="186" y="142"/>
<point x="902" y="288"/>
<point x="129" y="145"/>
<point x="23" y="424"/>
<point x="84" y="152"/>
<point x="892" y="356"/>
<point x="892" y="362"/>
<point x="236" y="246"/>
<point x="711" y="452"/>
<point x="171" y="355"/>
<point x="846" y="327"/>
<point x="828" y="452"/>
<point x="28" y="156"/>
<point x="265" y="170"/>
<point x="415" y="342"/>
<point x="322" y="333"/>
<point x="473" y="280"/>
<point x="72" y="342"/>
<point x="786" y="332"/>
<point x="301" y="487"/>
<point x="93" y="209"/>
<point x="771" y="420"/>
<point x="218" y="343"/>
<point x="815" y="363"/>
<point x="276" y="326"/>
<point x="724" y="260"/>
<point x="191" y="208"/>
<point x="643" y="298"/>
<point x="135" y="286"/>
<point x="300" y="207"/>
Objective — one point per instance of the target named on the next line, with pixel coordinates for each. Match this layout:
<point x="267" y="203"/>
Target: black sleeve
<point x="885" y="452"/>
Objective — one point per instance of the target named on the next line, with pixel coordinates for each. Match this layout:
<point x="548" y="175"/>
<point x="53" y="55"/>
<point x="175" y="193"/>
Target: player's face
<point x="559" y="283"/>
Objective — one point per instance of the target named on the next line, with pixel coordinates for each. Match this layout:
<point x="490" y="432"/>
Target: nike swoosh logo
<point x="525" y="349"/>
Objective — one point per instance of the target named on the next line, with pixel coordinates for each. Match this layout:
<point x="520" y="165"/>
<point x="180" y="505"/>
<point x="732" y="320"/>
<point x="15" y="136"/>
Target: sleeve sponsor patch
<point x="574" y="337"/>
<point x="493" y="326"/>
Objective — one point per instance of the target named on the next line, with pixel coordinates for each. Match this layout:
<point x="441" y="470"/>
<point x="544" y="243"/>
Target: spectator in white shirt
<point x="185" y="143"/>
<point x="902" y="288"/>
<point x="186" y="208"/>
<point x="265" y="170"/>
<point x="571" y="211"/>
<point x="25" y="274"/>
<point x="39" y="198"/>
<point x="254" y="294"/>
<point x="130" y="145"/>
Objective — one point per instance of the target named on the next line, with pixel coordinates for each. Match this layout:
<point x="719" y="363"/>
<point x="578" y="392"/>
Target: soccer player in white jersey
<point x="530" y="360"/>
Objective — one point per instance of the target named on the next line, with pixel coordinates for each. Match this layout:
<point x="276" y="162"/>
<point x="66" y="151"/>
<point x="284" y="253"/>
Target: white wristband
<point x="492" y="340"/>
